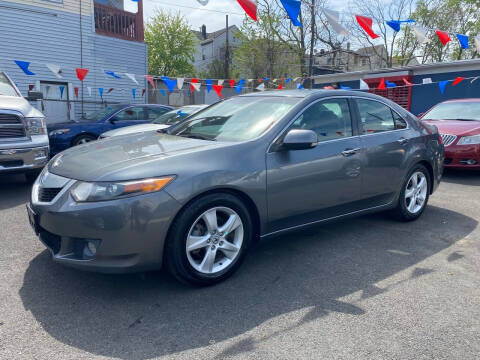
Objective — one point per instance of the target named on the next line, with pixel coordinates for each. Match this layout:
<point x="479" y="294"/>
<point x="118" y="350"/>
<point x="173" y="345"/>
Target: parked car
<point x="162" y="122"/>
<point x="246" y="168"/>
<point x="64" y="135"/>
<point x="458" y="121"/>
<point x="23" y="134"/>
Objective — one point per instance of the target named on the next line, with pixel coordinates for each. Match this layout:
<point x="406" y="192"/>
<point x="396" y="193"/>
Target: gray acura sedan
<point x="195" y="198"/>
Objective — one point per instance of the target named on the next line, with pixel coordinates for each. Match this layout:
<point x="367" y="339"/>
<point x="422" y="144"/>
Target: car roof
<point x="314" y="93"/>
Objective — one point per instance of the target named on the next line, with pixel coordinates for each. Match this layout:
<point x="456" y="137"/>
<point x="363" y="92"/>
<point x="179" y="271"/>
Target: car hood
<point x="129" y="157"/>
<point x="133" y="129"/>
<point x="455" y="127"/>
<point x="18" y="103"/>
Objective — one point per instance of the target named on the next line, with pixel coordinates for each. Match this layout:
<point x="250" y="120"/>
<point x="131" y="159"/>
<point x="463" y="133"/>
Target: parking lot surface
<point x="360" y="288"/>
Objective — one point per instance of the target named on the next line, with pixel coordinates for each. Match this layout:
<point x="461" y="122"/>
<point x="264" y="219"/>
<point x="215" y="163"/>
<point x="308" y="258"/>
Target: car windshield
<point x="175" y="116"/>
<point x="6" y="89"/>
<point x="100" y="114"/>
<point x="236" y="119"/>
<point x="454" y="111"/>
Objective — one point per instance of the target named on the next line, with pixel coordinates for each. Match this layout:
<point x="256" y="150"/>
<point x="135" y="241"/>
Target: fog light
<point x="90" y="248"/>
<point x="40" y="154"/>
<point x="468" y="161"/>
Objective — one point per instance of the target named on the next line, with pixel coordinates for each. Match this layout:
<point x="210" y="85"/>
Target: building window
<point x="204" y="53"/>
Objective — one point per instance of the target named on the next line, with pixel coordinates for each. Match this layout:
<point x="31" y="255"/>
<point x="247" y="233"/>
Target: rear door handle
<point x="350" y="152"/>
<point x="402" y="141"/>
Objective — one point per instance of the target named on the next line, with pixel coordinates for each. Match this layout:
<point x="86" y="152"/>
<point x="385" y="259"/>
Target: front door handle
<point x="350" y="152"/>
<point x="402" y="141"/>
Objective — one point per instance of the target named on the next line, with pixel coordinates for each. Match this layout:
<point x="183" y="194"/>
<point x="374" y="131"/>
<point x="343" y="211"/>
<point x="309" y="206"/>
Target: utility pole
<point x="312" y="43"/>
<point x="227" y="53"/>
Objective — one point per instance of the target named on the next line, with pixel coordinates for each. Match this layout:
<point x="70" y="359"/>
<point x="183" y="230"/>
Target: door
<point x="385" y="143"/>
<point x="130" y="116"/>
<point x="305" y="186"/>
<point x="55" y="104"/>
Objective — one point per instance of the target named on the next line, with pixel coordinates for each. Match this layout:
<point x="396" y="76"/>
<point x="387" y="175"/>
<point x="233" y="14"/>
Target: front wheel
<point x="414" y="194"/>
<point x="209" y="239"/>
<point x="83" y="139"/>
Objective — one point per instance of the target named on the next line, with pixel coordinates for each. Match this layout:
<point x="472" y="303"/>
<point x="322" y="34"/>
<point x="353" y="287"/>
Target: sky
<point x="196" y="14"/>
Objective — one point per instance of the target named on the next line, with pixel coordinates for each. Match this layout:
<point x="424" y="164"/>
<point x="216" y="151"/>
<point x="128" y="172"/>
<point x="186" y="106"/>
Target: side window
<point x="133" y="113"/>
<point x="400" y="123"/>
<point x="375" y="116"/>
<point x="330" y="119"/>
<point x="155" y="113"/>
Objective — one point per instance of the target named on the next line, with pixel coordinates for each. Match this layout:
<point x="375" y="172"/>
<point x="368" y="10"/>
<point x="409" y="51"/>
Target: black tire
<point x="401" y="212"/>
<point x="31" y="176"/>
<point x="82" y="139"/>
<point x="175" y="254"/>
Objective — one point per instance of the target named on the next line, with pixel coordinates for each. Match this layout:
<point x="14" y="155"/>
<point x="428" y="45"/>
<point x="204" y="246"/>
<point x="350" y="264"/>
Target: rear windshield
<point x="6" y="89"/>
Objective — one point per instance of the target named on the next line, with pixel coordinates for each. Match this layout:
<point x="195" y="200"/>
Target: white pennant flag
<point x="56" y="70"/>
<point x="477" y="42"/>
<point x="274" y="81"/>
<point x="363" y="85"/>
<point x="296" y="79"/>
<point x="333" y="19"/>
<point x="196" y="86"/>
<point x="220" y="82"/>
<point x="421" y="34"/>
<point x="180" y="83"/>
<point x="89" y="89"/>
<point x="132" y="77"/>
<point x="427" y="81"/>
<point x="261" y="87"/>
<point x="203" y="2"/>
<point x="250" y="80"/>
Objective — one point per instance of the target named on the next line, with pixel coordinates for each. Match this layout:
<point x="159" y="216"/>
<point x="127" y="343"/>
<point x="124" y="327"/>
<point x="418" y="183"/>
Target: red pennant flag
<point x="193" y="81"/>
<point x="329" y="88"/>
<point x="366" y="24"/>
<point x="250" y="8"/>
<point x="218" y="90"/>
<point x="407" y="83"/>
<point x="458" y="80"/>
<point x="81" y="73"/>
<point x="75" y="89"/>
<point x="260" y="80"/>
<point x="382" y="85"/>
<point x="31" y="87"/>
<point x="280" y="87"/>
<point x="143" y="92"/>
<point x="231" y="82"/>
<point x="150" y="80"/>
<point x="443" y="36"/>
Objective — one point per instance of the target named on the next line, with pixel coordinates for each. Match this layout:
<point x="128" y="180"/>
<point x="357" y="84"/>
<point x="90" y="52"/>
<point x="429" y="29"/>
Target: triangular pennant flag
<point x="333" y="20"/>
<point x="477" y="43"/>
<point x="100" y="90"/>
<point x="458" y="80"/>
<point x="192" y="87"/>
<point x="274" y="80"/>
<point x="203" y="2"/>
<point x="31" y="87"/>
<point x="134" y="93"/>
<point x="150" y="80"/>
<point x="260" y="80"/>
<point x="443" y="36"/>
<point x="209" y="84"/>
<point x="394" y="24"/>
<point x="442" y="85"/>
<point x="163" y="92"/>
<point x="390" y="84"/>
<point x="220" y="82"/>
<point x="382" y="85"/>
<point x="265" y="79"/>
<point x="292" y="7"/>
<point x="427" y="81"/>
<point x="406" y="82"/>
<point x="421" y="34"/>
<point x="75" y="89"/>
<point x="62" y="89"/>
<point x="89" y="89"/>
<point x="280" y="87"/>
<point x="366" y="24"/>
<point x="250" y="8"/>
<point x="300" y="86"/>
<point x="363" y="85"/>
<point x="463" y="40"/>
<point x="180" y="83"/>
<point x="345" y="87"/>
<point x="132" y="77"/>
<point x="196" y="86"/>
<point x="55" y="69"/>
<point x="231" y="82"/>
<point x="287" y="80"/>
<point x="261" y="87"/>
<point x="24" y="66"/>
<point x="81" y="73"/>
<point x="112" y="74"/>
<point x="218" y="89"/>
<point x="110" y="90"/>
<point x="143" y="91"/>
<point x="170" y="83"/>
<point x="329" y="88"/>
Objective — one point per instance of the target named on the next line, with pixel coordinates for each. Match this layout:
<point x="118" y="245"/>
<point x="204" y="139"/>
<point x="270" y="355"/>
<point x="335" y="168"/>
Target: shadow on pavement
<point x="14" y="190"/>
<point x="462" y="177"/>
<point x="149" y="315"/>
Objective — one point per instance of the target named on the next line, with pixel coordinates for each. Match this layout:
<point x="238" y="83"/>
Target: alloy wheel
<point x="416" y="192"/>
<point x="214" y="240"/>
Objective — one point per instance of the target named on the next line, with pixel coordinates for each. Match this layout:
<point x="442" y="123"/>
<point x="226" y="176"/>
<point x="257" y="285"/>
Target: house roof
<point x="214" y="34"/>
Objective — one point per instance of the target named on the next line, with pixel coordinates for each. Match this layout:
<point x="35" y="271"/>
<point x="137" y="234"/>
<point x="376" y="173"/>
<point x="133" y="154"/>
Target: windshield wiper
<point x="196" y="136"/>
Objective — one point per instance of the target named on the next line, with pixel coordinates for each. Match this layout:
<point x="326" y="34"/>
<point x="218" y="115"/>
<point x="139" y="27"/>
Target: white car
<point x="162" y="122"/>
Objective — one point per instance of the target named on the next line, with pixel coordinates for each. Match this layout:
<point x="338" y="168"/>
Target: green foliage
<point x="171" y="45"/>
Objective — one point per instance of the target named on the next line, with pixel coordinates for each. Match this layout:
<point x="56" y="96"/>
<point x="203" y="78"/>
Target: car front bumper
<point x="129" y="233"/>
<point x="17" y="159"/>
<point x="462" y="156"/>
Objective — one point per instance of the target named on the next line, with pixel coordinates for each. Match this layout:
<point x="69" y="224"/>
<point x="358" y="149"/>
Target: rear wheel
<point x="83" y="139"/>
<point x="209" y="239"/>
<point x="414" y="195"/>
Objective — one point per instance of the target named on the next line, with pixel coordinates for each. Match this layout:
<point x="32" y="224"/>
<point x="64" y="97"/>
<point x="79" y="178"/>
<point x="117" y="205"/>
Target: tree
<point x="171" y="45"/>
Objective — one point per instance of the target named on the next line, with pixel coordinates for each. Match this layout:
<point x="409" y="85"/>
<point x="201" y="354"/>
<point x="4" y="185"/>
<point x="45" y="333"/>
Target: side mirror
<point x="299" y="139"/>
<point x="113" y="119"/>
<point x="34" y="95"/>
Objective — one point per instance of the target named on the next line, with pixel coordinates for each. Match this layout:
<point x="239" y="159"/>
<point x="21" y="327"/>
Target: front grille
<point x="448" y="139"/>
<point x="12" y="132"/>
<point x="47" y="194"/>
<point x="9" y="119"/>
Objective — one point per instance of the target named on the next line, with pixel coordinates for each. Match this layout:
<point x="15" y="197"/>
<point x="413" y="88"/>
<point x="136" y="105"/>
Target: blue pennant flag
<point x="345" y="87"/>
<point x="463" y="40"/>
<point x="395" y="24"/>
<point x="209" y="84"/>
<point x="100" y="90"/>
<point x="300" y="86"/>
<point x="24" y="66"/>
<point x="265" y="79"/>
<point x="292" y="7"/>
<point x="287" y="80"/>
<point x="170" y="83"/>
<point x="390" y="84"/>
<point x="442" y="85"/>
<point x="163" y="92"/>
<point x="62" y="89"/>
<point x="134" y="93"/>
<point x="238" y="87"/>
<point x="112" y="74"/>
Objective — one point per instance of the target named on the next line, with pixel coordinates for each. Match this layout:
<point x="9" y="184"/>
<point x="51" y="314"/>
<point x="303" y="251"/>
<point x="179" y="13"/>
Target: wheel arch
<point x="84" y="133"/>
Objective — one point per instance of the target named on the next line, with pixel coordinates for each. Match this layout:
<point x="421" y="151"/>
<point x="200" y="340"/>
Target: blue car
<point x="68" y="134"/>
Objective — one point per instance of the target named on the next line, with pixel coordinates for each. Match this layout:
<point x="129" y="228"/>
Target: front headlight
<point x="58" y="132"/>
<point x="36" y="126"/>
<point x="469" y="140"/>
<point x="102" y="191"/>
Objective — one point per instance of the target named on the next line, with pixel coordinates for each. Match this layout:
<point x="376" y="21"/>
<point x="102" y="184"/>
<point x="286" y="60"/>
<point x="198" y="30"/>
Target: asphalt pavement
<point x="364" y="288"/>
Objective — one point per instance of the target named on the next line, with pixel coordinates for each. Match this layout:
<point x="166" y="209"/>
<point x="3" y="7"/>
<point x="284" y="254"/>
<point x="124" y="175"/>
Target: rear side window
<point x="377" y="117"/>
<point x="155" y="113"/>
<point x="133" y="113"/>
